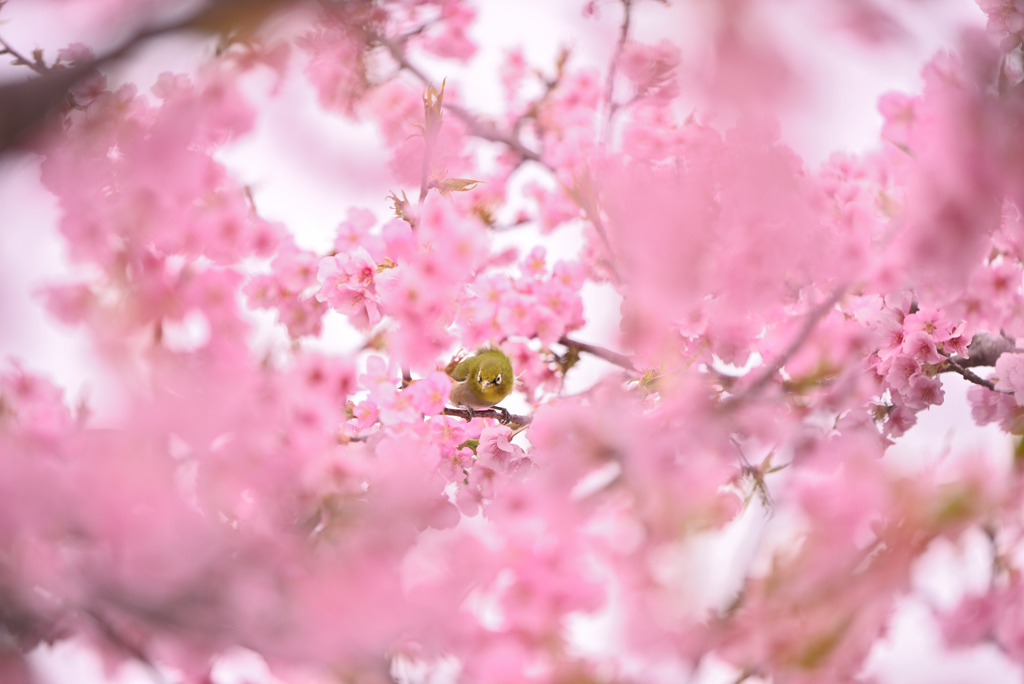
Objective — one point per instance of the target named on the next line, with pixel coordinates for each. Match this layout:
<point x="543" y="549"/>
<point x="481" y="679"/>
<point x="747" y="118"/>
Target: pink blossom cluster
<point x="538" y="304"/>
<point x="288" y="288"/>
<point x="988" y="616"/>
<point x="1005" y="19"/>
<point x="650" y="68"/>
<point x="913" y="344"/>
<point x="336" y="63"/>
<point x="780" y="328"/>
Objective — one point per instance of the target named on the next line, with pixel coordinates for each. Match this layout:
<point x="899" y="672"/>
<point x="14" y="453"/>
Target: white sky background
<point x="307" y="168"/>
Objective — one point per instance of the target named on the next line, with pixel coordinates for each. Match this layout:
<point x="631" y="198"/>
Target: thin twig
<point x="951" y="364"/>
<point x="500" y="415"/>
<point x="122" y="642"/>
<point x="609" y="84"/>
<point x="811" y="322"/>
<point x="34" y="65"/>
<point x="404" y="38"/>
<point x="476" y="127"/>
<point x="743" y="457"/>
<point x="616" y="358"/>
<point x="744" y="676"/>
<point x="584" y="193"/>
<point x="598" y="224"/>
<point x="998" y="563"/>
<point x="357" y="438"/>
<point x="486" y="130"/>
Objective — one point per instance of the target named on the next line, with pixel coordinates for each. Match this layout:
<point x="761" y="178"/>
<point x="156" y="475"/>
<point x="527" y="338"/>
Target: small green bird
<point x="481" y="380"/>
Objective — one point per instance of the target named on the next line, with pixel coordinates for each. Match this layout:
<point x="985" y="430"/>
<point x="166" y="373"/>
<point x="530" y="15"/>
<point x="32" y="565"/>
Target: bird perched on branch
<point x="481" y="380"/>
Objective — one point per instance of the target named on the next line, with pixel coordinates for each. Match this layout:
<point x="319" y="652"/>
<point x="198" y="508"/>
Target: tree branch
<point x="584" y="194"/>
<point x="811" y="322"/>
<point x="25" y="105"/>
<point x="501" y="415"/>
<point x="985" y="349"/>
<point x="476" y="127"/>
<point x="951" y="364"/>
<point x="598" y="224"/>
<point x="34" y="64"/>
<point x="122" y="642"/>
<point x="620" y="360"/>
<point x="486" y="130"/>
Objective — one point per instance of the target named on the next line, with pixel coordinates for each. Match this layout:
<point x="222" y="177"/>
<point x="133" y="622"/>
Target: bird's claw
<point x="504" y="416"/>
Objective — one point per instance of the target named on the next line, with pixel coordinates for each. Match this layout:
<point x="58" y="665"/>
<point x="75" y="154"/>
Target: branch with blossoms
<point x="583" y="192"/>
<point x="984" y="350"/>
<point x="953" y="365"/>
<point x="484" y="130"/>
<point x="764" y="376"/>
<point x="36" y="64"/>
<point x="499" y="414"/>
<point x="608" y="355"/>
<point x="26" y="105"/>
<point x="321" y="505"/>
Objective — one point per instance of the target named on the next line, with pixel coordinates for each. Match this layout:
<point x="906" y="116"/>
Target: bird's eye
<point x="497" y="379"/>
<point x="479" y="377"/>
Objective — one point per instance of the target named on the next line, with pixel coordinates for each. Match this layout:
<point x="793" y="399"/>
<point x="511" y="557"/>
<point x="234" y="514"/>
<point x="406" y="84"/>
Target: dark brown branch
<point x="32" y="64"/>
<point x="620" y="360"/>
<point x="502" y="416"/>
<point x="811" y="322"/>
<point x="951" y="364"/>
<point x="25" y="105"/>
<point x="985" y="349"/>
